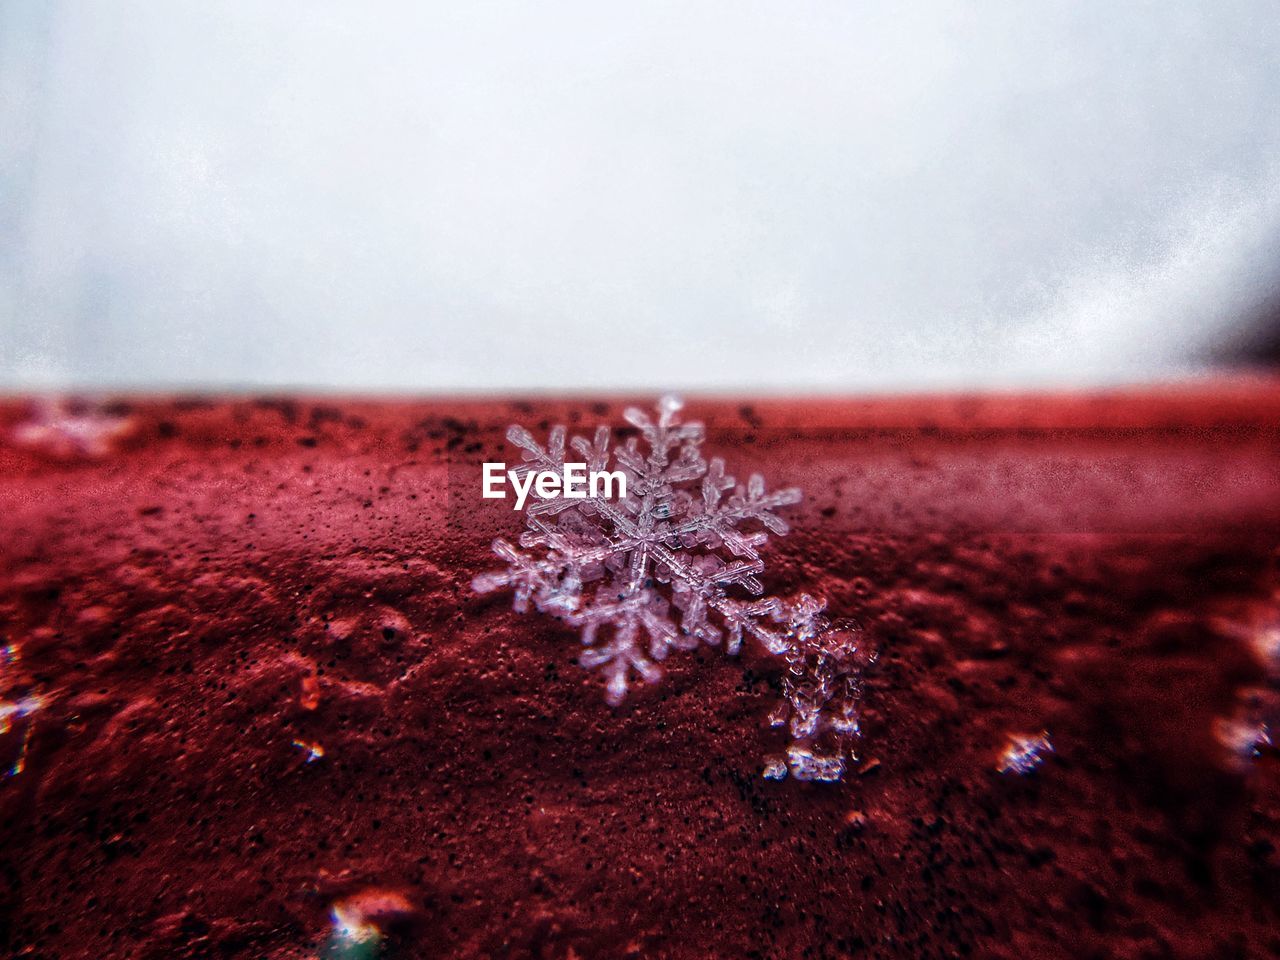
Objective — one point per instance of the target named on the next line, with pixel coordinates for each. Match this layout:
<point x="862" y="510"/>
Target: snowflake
<point x="686" y="537"/>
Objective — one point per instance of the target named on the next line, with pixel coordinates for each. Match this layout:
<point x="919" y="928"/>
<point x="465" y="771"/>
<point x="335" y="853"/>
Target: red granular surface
<point x="264" y="688"/>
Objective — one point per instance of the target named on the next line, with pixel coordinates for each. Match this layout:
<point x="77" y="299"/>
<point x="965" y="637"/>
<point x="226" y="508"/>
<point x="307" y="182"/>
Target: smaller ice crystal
<point x="15" y="707"/>
<point x="356" y="931"/>
<point x="313" y="751"/>
<point x="806" y="765"/>
<point x="65" y="428"/>
<point x="1244" y="741"/>
<point x="775" y="769"/>
<point x="821" y="689"/>
<point x="1023" y="753"/>
<point x="350" y="926"/>
<point x="1247" y="731"/>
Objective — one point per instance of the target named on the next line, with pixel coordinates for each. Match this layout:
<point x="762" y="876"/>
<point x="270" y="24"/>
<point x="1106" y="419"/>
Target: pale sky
<point x="413" y="196"/>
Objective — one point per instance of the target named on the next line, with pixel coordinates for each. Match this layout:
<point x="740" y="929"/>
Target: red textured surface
<point x="1091" y="565"/>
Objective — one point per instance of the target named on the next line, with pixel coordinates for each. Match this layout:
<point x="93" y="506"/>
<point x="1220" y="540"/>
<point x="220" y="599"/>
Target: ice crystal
<point x="66" y="428"/>
<point x="313" y="751"/>
<point x="17" y="709"/>
<point x="807" y="765"/>
<point x="775" y="768"/>
<point x="821" y="689"/>
<point x="357" y="933"/>
<point x="1247" y="731"/>
<point x="1023" y="753"/>
<point x="664" y="568"/>
<point x="1244" y="740"/>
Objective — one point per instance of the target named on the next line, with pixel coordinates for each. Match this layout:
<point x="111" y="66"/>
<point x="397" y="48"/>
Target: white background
<point x="480" y="196"/>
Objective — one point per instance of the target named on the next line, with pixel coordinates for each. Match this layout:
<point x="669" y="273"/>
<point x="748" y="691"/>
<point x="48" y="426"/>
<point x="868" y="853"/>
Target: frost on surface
<point x="674" y="564"/>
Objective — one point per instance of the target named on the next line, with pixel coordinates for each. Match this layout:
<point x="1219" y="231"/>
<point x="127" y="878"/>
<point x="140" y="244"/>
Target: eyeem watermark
<point x="574" y="483"/>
